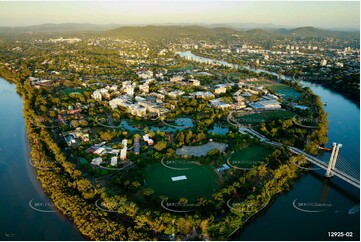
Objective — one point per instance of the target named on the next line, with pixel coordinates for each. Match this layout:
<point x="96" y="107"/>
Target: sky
<point x="324" y="14"/>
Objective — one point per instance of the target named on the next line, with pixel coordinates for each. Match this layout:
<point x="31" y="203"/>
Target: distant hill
<point x="259" y="32"/>
<point x="315" y="32"/>
<point x="249" y="26"/>
<point x="179" y="31"/>
<point x="199" y="31"/>
<point x="58" y="28"/>
<point x="190" y="31"/>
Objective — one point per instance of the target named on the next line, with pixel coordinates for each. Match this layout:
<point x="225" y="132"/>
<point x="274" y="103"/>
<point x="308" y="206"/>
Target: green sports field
<point x="279" y="114"/>
<point x="285" y="91"/>
<point x="67" y="91"/>
<point x="250" y="156"/>
<point x="200" y="182"/>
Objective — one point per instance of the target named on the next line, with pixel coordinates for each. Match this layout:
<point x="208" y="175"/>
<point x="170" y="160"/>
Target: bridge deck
<point x="342" y="175"/>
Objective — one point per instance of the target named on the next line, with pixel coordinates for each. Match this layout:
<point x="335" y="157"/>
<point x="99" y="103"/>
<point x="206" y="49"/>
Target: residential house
<point x="194" y="82"/>
<point x="176" y="79"/>
<point x="202" y="95"/>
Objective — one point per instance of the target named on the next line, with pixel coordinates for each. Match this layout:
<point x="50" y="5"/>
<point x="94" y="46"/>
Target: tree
<point x="107" y="136"/>
<point x="213" y="152"/>
<point x="184" y="226"/>
<point x="148" y="193"/>
<point x="180" y="137"/>
<point x="135" y="185"/>
<point x="188" y="137"/>
<point x="160" y="145"/>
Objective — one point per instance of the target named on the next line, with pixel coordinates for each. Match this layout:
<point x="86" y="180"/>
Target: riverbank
<point x="22" y="189"/>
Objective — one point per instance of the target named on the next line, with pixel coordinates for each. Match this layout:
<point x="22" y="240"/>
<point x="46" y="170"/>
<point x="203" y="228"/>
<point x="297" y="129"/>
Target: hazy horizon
<point x="328" y="15"/>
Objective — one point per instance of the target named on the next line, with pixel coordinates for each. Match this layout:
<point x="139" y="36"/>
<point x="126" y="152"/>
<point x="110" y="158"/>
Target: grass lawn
<point x="279" y="114"/>
<point x="263" y="83"/>
<point x="67" y="91"/>
<point x="186" y="68"/>
<point x="200" y="182"/>
<point x="285" y="91"/>
<point x="252" y="118"/>
<point x="249" y="156"/>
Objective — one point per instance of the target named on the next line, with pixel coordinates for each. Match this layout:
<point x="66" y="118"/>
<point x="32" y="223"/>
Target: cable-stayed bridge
<point x="337" y="166"/>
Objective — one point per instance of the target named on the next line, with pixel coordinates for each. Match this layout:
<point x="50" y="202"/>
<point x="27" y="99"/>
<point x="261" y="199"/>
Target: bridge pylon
<point x="333" y="159"/>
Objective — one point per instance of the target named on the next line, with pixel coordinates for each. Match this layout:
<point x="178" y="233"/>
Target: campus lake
<point x="21" y="192"/>
<point x="179" y="124"/>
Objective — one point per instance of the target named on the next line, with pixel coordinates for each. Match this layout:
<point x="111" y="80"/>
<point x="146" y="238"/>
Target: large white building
<point x="114" y="161"/>
<point x="123" y="152"/>
<point x="266" y="104"/>
<point x="97" y="95"/>
<point x="129" y="87"/>
<point x="175" y="93"/>
<point x="218" y="103"/>
<point x="122" y="101"/>
<point x="97" y="161"/>
<point x="220" y="90"/>
<point x="176" y="79"/>
<point x="144" y="88"/>
<point x="145" y="74"/>
<point x="194" y="82"/>
<point x="137" y="110"/>
<point x="202" y="95"/>
<point x="147" y="139"/>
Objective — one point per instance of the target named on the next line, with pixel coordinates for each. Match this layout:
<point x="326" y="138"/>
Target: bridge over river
<point x="343" y="170"/>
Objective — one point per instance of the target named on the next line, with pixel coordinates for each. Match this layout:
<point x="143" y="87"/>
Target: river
<point x="329" y="200"/>
<point x="19" y="189"/>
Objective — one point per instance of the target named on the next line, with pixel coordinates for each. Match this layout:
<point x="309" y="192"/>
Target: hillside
<point x="58" y="28"/>
<point x="178" y="31"/>
<point x="171" y="32"/>
<point x="315" y="32"/>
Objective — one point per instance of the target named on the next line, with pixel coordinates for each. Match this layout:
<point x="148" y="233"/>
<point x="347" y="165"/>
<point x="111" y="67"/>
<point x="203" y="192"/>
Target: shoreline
<point x="33" y="176"/>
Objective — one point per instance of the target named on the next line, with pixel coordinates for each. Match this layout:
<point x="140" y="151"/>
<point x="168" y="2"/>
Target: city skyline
<point x="292" y="14"/>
